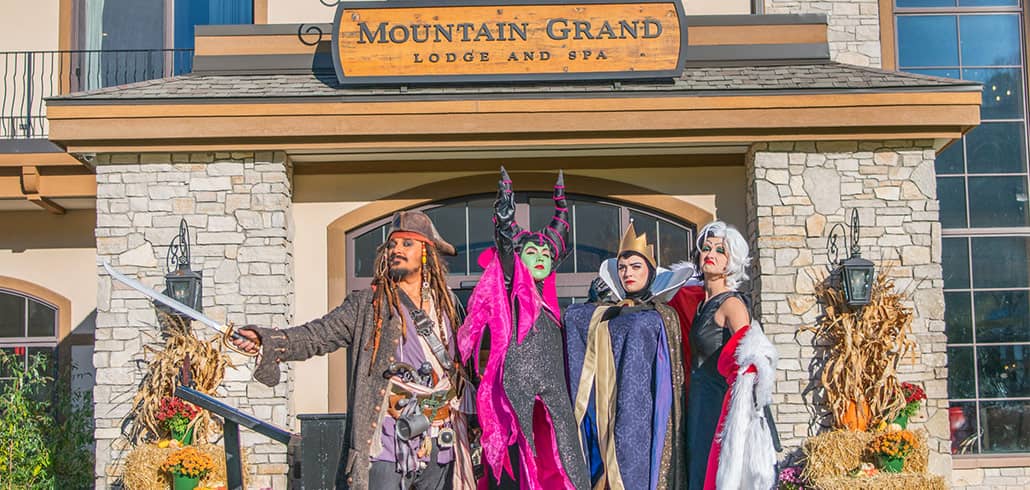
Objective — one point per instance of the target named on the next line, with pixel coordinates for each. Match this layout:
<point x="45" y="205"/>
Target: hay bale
<point x="143" y="467"/>
<point x="883" y="481"/>
<point x="834" y="454"/>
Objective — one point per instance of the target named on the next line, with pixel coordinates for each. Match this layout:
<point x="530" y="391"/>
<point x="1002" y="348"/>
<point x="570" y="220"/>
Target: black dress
<point x="707" y="386"/>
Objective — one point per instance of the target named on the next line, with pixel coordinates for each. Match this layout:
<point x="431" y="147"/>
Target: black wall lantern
<point x="856" y="274"/>
<point x="181" y="282"/>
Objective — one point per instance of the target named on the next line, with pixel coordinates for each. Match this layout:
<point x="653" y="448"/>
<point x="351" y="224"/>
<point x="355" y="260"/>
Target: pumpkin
<point x="856" y="416"/>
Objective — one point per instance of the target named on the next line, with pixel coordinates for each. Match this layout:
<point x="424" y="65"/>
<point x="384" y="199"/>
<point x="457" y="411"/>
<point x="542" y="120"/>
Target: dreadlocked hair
<point x="386" y="293"/>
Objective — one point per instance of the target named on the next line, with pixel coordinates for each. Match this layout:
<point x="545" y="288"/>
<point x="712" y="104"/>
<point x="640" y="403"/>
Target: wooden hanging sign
<point x="409" y="42"/>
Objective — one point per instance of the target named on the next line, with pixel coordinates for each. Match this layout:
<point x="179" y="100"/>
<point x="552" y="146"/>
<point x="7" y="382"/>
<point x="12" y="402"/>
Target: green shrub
<point x="46" y="430"/>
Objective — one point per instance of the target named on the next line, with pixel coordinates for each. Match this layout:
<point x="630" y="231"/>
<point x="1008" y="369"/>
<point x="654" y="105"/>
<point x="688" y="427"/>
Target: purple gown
<point x="643" y="395"/>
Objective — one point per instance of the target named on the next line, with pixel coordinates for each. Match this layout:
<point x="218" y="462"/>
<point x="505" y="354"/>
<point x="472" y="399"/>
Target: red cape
<point x="685" y="303"/>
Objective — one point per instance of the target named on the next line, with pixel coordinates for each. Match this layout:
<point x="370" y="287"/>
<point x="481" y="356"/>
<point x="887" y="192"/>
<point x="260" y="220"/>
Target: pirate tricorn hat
<point x="633" y="243"/>
<point x="419" y="223"/>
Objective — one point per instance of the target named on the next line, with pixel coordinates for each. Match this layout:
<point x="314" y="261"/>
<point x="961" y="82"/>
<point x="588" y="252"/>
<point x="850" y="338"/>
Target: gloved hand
<point x="600" y="292"/>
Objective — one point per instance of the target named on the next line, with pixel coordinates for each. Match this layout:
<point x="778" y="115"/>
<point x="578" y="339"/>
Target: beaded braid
<point x="385" y="291"/>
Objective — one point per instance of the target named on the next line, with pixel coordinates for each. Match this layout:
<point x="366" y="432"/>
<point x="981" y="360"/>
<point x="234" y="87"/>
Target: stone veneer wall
<point x="796" y="192"/>
<point x="854" y="26"/>
<point x="1017" y="478"/>
<point x="238" y="209"/>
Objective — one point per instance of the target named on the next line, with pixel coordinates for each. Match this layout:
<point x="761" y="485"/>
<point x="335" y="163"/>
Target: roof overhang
<point x="749" y="78"/>
<point x="521" y="122"/>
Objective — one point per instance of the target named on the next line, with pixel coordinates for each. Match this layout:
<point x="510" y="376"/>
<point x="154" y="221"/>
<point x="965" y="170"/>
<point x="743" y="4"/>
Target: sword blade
<point x="165" y="300"/>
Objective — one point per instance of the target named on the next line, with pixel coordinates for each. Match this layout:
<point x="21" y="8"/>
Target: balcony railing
<point x="29" y="77"/>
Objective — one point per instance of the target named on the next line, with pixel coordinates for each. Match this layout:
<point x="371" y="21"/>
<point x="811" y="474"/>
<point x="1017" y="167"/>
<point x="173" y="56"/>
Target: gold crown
<point x="633" y="243"/>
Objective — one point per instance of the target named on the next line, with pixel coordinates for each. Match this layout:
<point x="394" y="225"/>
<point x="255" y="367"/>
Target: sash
<point x="599" y="374"/>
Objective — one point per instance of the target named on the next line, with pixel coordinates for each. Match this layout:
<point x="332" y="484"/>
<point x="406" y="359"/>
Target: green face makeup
<point x="538" y="260"/>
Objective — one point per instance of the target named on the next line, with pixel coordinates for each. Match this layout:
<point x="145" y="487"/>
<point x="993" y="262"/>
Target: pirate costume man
<point x="625" y="364"/>
<point x="407" y="426"/>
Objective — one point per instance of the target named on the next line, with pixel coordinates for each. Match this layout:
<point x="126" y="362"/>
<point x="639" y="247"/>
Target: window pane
<point x="949" y="161"/>
<point x="927" y="40"/>
<point x="989" y="40"/>
<point x="597" y="235"/>
<point x="997" y="148"/>
<point x="47" y="354"/>
<point x="1006" y="426"/>
<point x="1001" y="316"/>
<point x="955" y="252"/>
<point x="997" y="202"/>
<point x="988" y="3"/>
<point x="644" y="223"/>
<point x="12" y="315"/>
<point x="449" y="221"/>
<point x="1002" y="92"/>
<point x="958" y="318"/>
<point x="365" y="248"/>
<point x="481" y="230"/>
<point x="1003" y="371"/>
<point x="962" y="418"/>
<point x="673" y="240"/>
<point x="6" y="369"/>
<point x="937" y="72"/>
<point x="960" y="372"/>
<point x="952" y="194"/>
<point x="925" y="3"/>
<point x="42" y="320"/>
<point x="999" y="262"/>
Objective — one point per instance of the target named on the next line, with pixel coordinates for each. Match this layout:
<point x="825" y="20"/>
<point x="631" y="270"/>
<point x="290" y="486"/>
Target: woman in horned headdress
<point x="523" y="397"/>
<point x="624" y="360"/>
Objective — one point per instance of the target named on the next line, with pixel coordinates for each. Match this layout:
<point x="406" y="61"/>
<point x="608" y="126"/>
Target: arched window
<point x="28" y="326"/>
<point x="597" y="227"/>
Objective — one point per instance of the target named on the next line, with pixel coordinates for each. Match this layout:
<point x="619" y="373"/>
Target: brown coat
<point x="349" y="325"/>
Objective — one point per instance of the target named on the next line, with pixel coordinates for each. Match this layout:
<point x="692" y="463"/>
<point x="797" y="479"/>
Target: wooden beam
<point x="46" y="204"/>
<point x="49" y="159"/>
<point x="30" y="180"/>
<point x="48" y="186"/>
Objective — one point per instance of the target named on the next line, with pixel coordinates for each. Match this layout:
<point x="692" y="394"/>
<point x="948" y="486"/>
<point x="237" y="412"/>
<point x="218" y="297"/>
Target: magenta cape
<point x="490" y="308"/>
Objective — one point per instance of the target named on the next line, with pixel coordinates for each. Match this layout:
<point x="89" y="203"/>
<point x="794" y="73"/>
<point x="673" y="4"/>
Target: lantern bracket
<point x="839" y="232"/>
<point x="179" y="249"/>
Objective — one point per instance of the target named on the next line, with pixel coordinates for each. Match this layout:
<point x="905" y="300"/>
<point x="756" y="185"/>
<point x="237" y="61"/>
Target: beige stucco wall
<point x="319" y="200"/>
<point x="54" y="252"/>
<point x="29" y="26"/>
<point x="714" y="7"/>
<point x="57" y="253"/>
<point x="306" y="11"/>
<point x="298" y="11"/>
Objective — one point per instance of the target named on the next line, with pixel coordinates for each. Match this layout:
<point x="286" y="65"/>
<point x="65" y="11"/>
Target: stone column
<point x="854" y="26"/>
<point x="238" y="209"/>
<point x="796" y="192"/>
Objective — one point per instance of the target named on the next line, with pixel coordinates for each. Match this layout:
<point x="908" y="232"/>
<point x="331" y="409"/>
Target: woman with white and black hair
<point x="732" y="373"/>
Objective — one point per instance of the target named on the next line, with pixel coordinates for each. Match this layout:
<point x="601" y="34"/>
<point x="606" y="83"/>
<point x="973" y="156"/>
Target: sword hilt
<point x="231" y="334"/>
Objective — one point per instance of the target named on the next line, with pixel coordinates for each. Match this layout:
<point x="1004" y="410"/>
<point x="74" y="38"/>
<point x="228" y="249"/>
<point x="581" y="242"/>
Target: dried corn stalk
<point x="207" y="367"/>
<point x="865" y="348"/>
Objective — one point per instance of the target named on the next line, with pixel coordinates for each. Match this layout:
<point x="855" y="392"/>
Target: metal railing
<point x="29" y="77"/>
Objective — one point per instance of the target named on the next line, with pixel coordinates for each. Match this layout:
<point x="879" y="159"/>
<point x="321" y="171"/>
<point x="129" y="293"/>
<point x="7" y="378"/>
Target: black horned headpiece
<point x="556" y="234"/>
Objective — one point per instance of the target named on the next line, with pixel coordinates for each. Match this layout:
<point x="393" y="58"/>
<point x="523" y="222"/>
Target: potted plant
<point x="187" y="466"/>
<point x="176" y="415"/>
<point x="790" y="479"/>
<point x="891" y="449"/>
<point x="914" y="395"/>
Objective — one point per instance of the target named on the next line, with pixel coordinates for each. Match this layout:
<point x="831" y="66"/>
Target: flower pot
<point x="890" y="464"/>
<point x="902" y="420"/>
<point x="181" y="482"/>
<point x="185" y="437"/>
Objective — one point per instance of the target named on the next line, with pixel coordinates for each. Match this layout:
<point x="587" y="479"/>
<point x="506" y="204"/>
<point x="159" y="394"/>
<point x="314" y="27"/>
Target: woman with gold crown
<point x="625" y="364"/>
